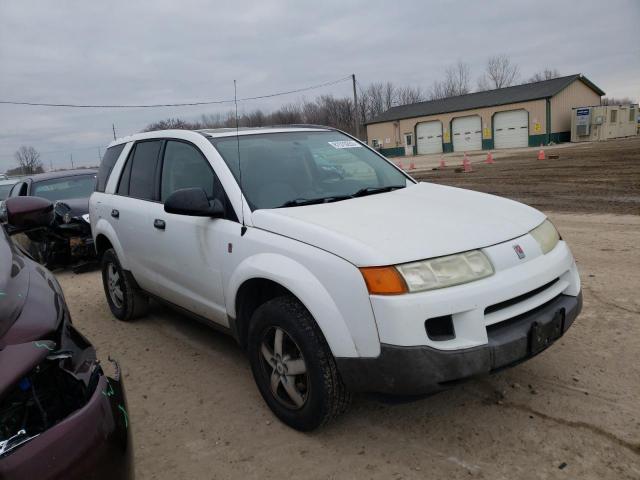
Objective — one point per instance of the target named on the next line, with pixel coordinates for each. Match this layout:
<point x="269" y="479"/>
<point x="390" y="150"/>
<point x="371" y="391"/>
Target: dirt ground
<point x="592" y="178"/>
<point x="572" y="412"/>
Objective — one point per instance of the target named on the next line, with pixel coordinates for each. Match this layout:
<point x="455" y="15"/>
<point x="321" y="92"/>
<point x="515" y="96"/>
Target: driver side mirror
<point x="25" y="213"/>
<point x="193" y="202"/>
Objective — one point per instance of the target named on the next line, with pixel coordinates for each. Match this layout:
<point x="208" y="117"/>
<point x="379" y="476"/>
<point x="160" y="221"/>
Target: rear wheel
<point x="125" y="300"/>
<point x="293" y="366"/>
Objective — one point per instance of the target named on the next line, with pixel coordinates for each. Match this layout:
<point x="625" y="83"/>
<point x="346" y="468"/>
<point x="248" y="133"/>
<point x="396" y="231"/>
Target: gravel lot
<point x="572" y="412"/>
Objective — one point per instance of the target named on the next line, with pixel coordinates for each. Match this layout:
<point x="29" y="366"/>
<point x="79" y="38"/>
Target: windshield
<point x="5" y="189"/>
<point x="299" y="168"/>
<point x="79" y="186"/>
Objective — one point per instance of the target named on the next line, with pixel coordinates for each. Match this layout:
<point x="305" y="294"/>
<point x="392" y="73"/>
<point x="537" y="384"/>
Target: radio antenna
<point x="243" y="229"/>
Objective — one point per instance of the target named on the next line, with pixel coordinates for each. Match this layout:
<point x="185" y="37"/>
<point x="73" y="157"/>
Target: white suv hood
<point x="413" y="223"/>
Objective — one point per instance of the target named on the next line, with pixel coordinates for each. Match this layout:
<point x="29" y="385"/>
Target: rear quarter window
<point x="106" y="166"/>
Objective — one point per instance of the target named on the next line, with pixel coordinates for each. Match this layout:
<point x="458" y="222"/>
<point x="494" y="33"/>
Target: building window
<point x="408" y="139"/>
<point x="632" y="114"/>
<point x="613" y="117"/>
<point x="375" y="143"/>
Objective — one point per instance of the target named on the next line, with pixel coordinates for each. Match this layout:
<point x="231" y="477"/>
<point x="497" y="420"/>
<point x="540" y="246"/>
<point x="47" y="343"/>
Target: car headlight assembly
<point x="546" y="235"/>
<point x="446" y="271"/>
<point x="430" y="274"/>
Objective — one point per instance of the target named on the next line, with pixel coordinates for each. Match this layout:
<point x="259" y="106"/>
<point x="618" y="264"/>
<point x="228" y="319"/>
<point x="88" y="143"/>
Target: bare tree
<point x="456" y="82"/>
<point x="28" y="160"/>
<point x="616" y="101"/>
<point x="338" y="112"/>
<point x="546" y="74"/>
<point x="500" y="72"/>
<point x="407" y="95"/>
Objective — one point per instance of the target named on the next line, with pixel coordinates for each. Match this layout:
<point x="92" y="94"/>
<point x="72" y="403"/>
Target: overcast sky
<point x="173" y="51"/>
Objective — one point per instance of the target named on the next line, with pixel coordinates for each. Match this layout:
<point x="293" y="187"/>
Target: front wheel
<point x="293" y="366"/>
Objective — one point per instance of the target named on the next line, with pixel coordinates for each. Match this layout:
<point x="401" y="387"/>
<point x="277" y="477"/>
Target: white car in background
<point x="332" y="267"/>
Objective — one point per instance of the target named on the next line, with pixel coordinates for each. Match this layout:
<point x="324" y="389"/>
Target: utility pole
<point x="71" y="157"/>
<point x="113" y="126"/>
<point x="50" y="165"/>
<point x="355" y="105"/>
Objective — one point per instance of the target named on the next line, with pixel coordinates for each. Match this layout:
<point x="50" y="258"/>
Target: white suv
<point x="332" y="267"/>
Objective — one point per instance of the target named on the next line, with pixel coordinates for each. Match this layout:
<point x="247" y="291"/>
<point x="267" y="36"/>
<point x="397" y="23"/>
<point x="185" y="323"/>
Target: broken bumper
<point x="92" y="443"/>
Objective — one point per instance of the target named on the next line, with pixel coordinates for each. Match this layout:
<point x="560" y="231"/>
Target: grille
<point x="521" y="298"/>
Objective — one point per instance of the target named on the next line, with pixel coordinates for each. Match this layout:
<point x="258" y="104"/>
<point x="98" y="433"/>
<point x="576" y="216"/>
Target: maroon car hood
<point x="14" y="283"/>
<point x="19" y="360"/>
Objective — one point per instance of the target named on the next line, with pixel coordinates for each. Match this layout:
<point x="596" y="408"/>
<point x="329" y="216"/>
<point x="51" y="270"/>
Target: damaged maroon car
<point x="61" y="416"/>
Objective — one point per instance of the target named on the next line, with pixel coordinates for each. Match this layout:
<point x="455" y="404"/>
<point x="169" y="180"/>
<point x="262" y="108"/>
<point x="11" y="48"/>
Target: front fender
<point x="103" y="227"/>
<point x="305" y="286"/>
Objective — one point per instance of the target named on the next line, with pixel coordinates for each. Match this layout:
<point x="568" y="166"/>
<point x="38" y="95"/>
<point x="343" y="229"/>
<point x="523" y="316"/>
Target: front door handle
<point x="115" y="213"/>
<point x="159" y="224"/>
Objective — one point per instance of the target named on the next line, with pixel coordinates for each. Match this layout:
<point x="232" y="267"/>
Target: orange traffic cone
<point x="541" y="155"/>
<point x="489" y="159"/>
<point x="442" y="164"/>
<point x="467" y="164"/>
<point x="412" y="165"/>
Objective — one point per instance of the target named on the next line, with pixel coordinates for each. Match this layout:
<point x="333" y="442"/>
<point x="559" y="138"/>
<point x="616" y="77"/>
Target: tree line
<point x="373" y="99"/>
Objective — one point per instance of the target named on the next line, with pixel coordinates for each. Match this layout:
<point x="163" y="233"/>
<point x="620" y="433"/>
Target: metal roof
<point x="490" y="98"/>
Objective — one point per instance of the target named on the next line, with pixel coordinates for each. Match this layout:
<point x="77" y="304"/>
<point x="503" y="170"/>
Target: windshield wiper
<point x="373" y="190"/>
<point x="297" y="202"/>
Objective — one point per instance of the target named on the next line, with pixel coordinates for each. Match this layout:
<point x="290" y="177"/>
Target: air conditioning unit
<point x="582" y="130"/>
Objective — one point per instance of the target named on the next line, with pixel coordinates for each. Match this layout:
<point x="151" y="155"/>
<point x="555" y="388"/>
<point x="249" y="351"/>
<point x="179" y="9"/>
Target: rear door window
<point x="108" y="161"/>
<point x="138" y="177"/>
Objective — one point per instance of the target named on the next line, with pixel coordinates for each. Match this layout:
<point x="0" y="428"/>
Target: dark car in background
<point x="68" y="239"/>
<point x="61" y="416"/>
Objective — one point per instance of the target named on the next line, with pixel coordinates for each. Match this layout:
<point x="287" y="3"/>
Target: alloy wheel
<point x="114" y="284"/>
<point x="285" y="368"/>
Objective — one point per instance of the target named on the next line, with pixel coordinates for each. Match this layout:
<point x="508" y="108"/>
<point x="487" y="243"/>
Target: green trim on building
<point x="548" y="121"/>
<point x="392" y="152"/>
<point x="537" y="140"/>
<point x="560" y="137"/>
<point x="487" y="144"/>
<point x="447" y="147"/>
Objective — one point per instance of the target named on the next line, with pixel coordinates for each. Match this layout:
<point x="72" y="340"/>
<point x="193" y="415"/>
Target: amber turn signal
<point x="384" y="281"/>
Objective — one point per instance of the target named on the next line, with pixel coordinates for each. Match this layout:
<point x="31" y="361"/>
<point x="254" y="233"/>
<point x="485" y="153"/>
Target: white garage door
<point x="511" y="129"/>
<point x="467" y="134"/>
<point x="429" y="137"/>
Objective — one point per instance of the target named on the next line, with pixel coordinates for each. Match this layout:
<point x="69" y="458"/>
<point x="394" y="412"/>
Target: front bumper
<point x="93" y="443"/>
<point x="417" y="370"/>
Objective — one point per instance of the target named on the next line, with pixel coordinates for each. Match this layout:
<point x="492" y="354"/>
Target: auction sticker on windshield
<point x="345" y="144"/>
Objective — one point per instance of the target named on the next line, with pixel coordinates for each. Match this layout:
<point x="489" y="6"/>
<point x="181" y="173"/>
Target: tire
<point x="320" y="388"/>
<point x="131" y="302"/>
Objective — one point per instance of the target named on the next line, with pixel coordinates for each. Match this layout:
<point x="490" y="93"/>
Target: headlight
<point x="86" y="218"/>
<point x="66" y="218"/>
<point x="546" y="235"/>
<point x="446" y="271"/>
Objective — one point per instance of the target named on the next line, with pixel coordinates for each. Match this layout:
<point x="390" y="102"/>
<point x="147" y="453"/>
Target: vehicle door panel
<point x="187" y="253"/>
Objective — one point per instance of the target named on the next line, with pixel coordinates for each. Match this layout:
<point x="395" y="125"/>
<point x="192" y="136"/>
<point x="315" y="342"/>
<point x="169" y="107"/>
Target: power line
<point x="188" y="104"/>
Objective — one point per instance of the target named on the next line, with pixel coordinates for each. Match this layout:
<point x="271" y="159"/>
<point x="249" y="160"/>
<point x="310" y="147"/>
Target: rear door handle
<point x="115" y="213"/>
<point x="159" y="224"/>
